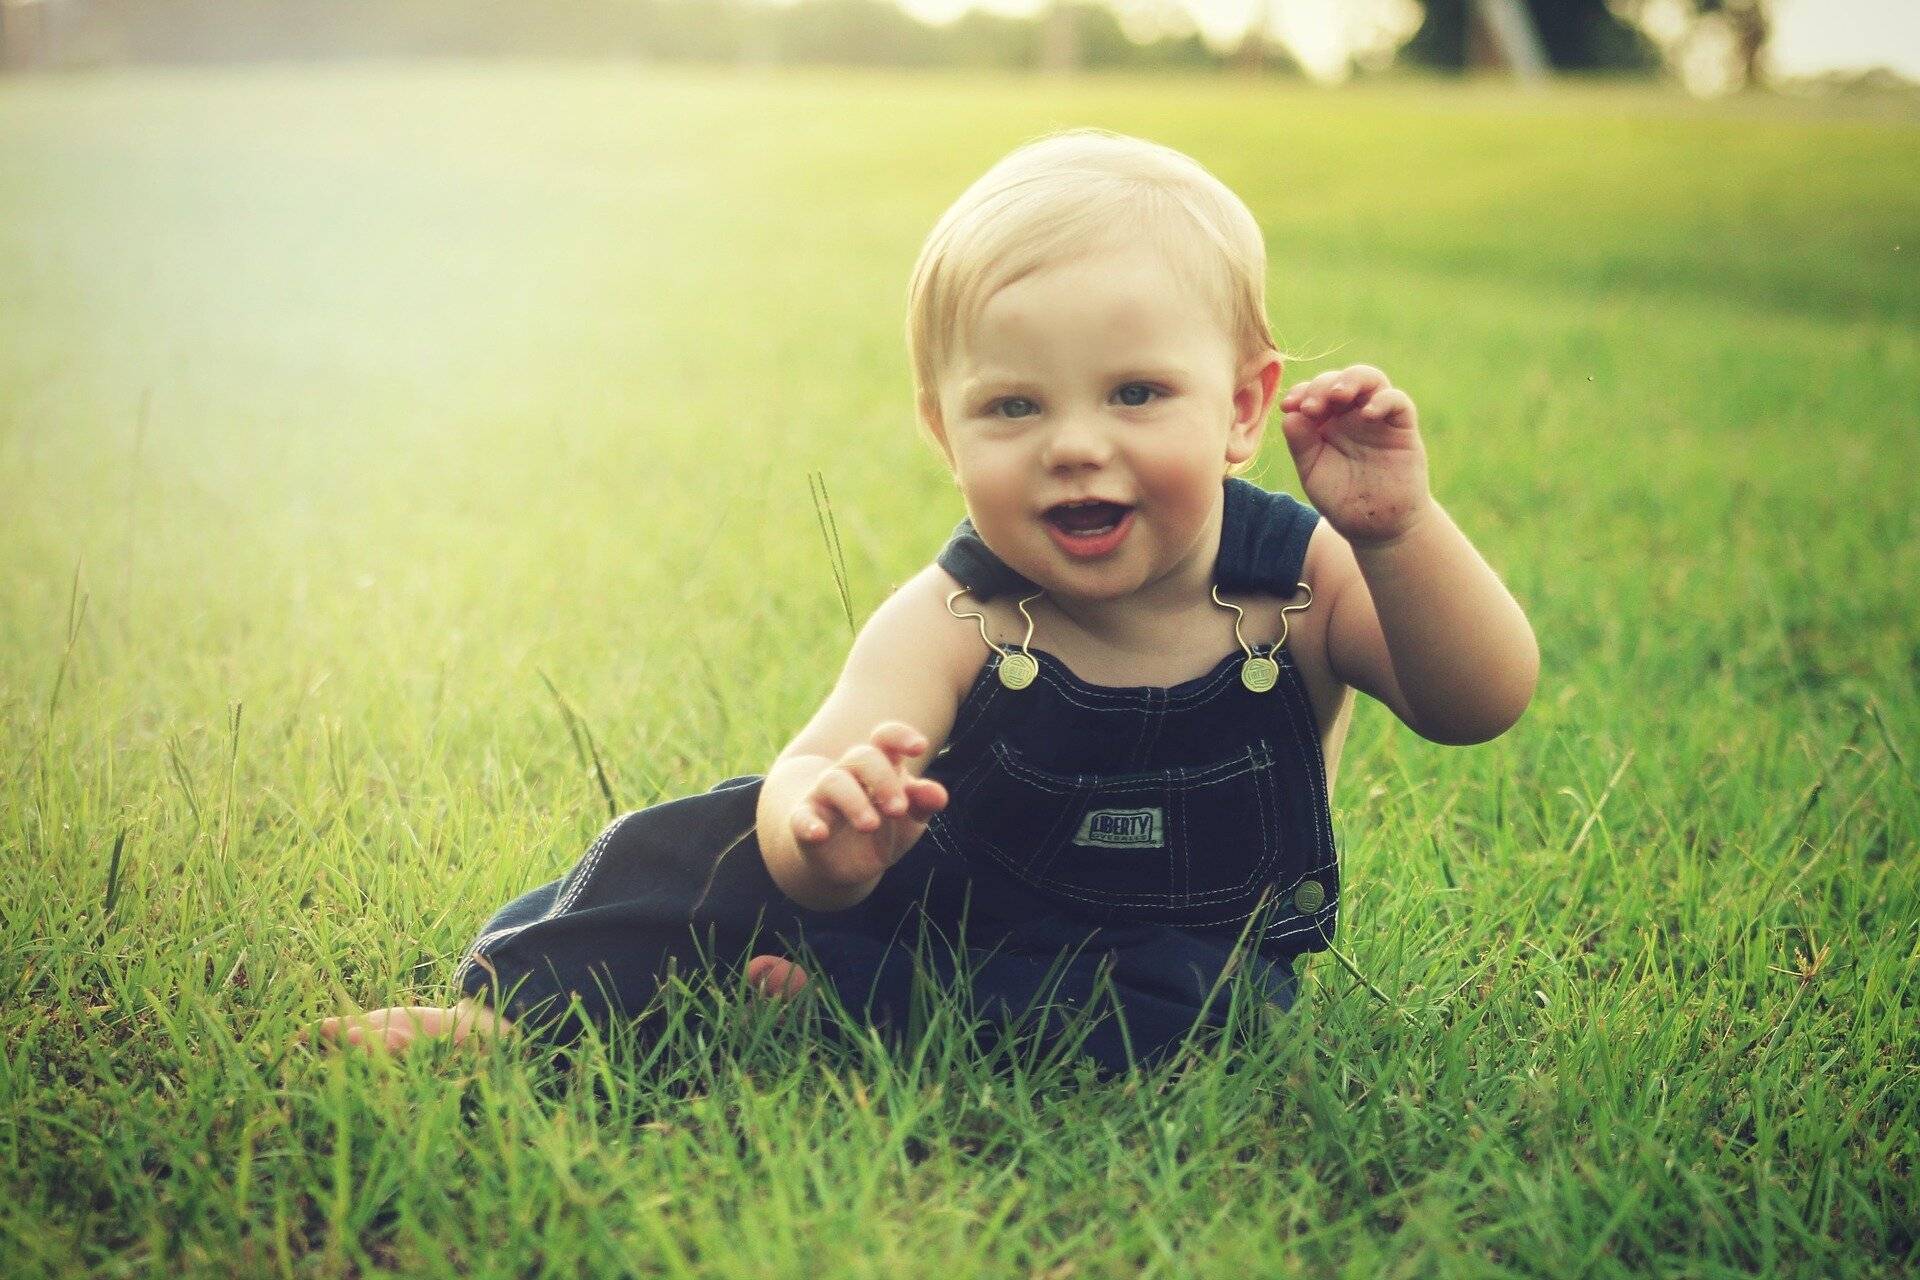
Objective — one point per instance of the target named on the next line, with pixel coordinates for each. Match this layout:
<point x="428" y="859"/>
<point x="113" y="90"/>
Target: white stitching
<point x="480" y="944"/>
<point x="1103" y="783"/>
<point x="1322" y="822"/>
<point x="1158" y="718"/>
<point x="1054" y="838"/>
<point x="584" y="870"/>
<point x="1184" y="889"/>
<point x="1093" y="697"/>
<point x="1149" y="718"/>
<point x="587" y="867"/>
<point x="1258" y="760"/>
<point x="1054" y="784"/>
<point x="1258" y="757"/>
<point x="978" y="699"/>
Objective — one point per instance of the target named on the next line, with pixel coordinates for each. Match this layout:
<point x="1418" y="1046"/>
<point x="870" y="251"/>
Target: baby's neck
<point x="1159" y="614"/>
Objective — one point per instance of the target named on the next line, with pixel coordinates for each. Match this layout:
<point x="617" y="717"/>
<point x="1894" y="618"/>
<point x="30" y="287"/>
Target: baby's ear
<point x="1253" y="392"/>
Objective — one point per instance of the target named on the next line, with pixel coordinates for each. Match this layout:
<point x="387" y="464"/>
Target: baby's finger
<point x="1299" y="430"/>
<point x="1353" y="386"/>
<point x="810" y="823"/>
<point x="883" y="779"/>
<point x="1313" y="396"/>
<point x="1364" y="377"/>
<point x="839" y="788"/>
<point x="1307" y="387"/>
<point x="898" y="739"/>
<point x="1390" y="403"/>
<point x="927" y="798"/>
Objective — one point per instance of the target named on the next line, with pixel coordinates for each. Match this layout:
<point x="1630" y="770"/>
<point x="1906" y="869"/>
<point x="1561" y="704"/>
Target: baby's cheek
<point x="995" y="491"/>
<point x="1185" y="487"/>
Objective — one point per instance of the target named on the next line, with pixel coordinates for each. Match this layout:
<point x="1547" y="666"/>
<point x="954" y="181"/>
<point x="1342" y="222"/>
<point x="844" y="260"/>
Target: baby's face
<point x="1101" y="377"/>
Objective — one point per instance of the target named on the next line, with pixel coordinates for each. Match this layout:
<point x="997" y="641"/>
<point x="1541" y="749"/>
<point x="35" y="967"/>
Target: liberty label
<point x="1121" y="829"/>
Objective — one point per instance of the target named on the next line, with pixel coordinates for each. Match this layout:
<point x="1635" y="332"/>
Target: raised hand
<point x="867" y="808"/>
<point x="1355" y="439"/>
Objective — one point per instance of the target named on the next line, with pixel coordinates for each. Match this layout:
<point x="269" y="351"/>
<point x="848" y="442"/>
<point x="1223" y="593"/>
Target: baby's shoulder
<point x="1328" y="571"/>
<point x="915" y="620"/>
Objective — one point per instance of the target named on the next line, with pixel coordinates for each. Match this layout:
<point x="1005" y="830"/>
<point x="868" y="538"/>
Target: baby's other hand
<point x="867" y="809"/>
<point x="1355" y="439"/>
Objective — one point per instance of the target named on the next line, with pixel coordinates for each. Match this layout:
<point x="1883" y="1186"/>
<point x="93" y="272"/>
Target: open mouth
<point x="1088" y="530"/>
<point x="1087" y="519"/>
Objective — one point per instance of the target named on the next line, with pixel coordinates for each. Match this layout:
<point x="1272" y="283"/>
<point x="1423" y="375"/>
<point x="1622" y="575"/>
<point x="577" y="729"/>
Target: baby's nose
<point x="1078" y="441"/>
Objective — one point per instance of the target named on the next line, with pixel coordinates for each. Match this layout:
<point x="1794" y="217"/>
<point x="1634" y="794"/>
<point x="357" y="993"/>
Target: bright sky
<point x="1809" y="35"/>
<point x="1825" y="35"/>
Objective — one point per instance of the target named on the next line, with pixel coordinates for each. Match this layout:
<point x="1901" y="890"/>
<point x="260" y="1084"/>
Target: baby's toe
<point x="775" y="976"/>
<point x="327" y="1031"/>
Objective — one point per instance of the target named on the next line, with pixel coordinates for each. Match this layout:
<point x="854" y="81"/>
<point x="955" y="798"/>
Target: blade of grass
<point x="1593" y="814"/>
<point x="830" y="534"/>
<point x="176" y="759"/>
<point x="76" y="614"/>
<point x="584" y="746"/>
<point x="233" y="769"/>
<point x="113" y="876"/>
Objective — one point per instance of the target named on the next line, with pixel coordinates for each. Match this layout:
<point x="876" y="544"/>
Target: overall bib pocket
<point x="1186" y="845"/>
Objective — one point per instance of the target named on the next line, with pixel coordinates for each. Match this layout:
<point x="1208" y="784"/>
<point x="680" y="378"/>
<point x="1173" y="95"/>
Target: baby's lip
<point x="1087" y="502"/>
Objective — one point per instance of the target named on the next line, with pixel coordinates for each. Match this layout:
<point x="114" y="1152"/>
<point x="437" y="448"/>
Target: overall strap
<point x="1263" y="540"/>
<point x="975" y="567"/>
<point x="1263" y="544"/>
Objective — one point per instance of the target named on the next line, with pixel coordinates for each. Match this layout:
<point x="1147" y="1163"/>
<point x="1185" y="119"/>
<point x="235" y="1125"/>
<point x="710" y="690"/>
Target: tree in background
<point x="1751" y="27"/>
<point x="1715" y="45"/>
<point x="1575" y="35"/>
<point x="1072" y="34"/>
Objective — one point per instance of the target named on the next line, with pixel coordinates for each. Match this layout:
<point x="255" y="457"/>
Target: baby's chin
<point x="1035" y="557"/>
<point x="1085" y="583"/>
<point x="1104" y="582"/>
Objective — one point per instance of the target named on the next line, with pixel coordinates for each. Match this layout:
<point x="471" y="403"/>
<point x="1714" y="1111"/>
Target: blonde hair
<point x="1063" y="195"/>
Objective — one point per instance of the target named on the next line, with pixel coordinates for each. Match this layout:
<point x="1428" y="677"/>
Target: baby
<point x="1093" y="742"/>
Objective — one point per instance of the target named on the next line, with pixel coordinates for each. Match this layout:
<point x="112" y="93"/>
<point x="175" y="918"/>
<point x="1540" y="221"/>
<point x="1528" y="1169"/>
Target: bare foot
<point x="775" y="977"/>
<point x="397" y="1028"/>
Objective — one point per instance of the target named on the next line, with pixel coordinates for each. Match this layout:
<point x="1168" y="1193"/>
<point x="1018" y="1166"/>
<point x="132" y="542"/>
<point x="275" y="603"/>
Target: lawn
<point x="369" y="435"/>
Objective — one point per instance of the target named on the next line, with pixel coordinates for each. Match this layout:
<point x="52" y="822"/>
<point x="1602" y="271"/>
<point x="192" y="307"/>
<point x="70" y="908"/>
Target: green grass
<point x="337" y="406"/>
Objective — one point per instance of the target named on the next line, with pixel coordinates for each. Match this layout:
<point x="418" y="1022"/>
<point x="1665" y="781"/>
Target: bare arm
<point x="1416" y="616"/>
<point x="846" y="799"/>
<point x="1424" y="625"/>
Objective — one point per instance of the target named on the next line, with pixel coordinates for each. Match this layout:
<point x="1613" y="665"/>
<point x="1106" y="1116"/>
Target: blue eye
<point x="1136" y="394"/>
<point x="1016" y="407"/>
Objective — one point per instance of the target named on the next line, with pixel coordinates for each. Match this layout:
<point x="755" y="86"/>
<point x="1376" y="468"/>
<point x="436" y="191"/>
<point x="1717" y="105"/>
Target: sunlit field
<point x="379" y="445"/>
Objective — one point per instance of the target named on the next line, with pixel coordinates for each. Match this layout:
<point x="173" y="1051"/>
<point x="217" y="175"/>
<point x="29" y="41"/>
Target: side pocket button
<point x="1309" y="897"/>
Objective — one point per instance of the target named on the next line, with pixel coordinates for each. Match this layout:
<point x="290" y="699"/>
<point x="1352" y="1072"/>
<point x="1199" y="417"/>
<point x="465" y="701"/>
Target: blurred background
<point x="1712" y="47"/>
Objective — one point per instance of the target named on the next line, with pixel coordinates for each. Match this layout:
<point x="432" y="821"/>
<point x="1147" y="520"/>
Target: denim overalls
<point x="1136" y="831"/>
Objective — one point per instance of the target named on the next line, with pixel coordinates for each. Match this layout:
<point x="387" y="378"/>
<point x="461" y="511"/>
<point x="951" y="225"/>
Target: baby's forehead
<point x="1133" y="269"/>
<point x="1136" y="297"/>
